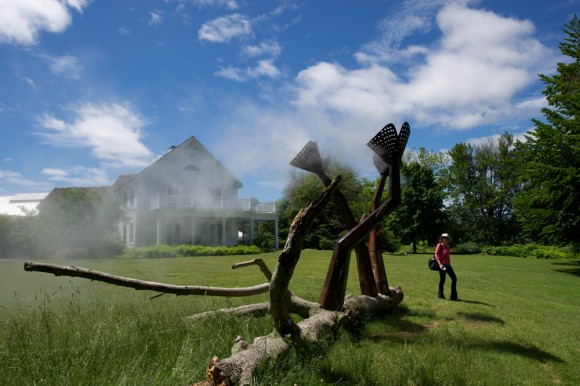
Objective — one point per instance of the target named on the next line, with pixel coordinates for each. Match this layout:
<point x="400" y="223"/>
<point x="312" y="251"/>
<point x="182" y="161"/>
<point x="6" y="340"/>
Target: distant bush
<point x="467" y="248"/>
<point x="532" y="251"/>
<point x="156" y="251"/>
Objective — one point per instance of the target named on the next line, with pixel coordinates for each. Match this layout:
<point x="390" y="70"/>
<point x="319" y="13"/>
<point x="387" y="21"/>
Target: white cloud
<point x="230" y="4"/>
<point x="8" y="177"/>
<point x="78" y="176"/>
<point x="65" y="66"/>
<point x="414" y="16"/>
<point x="232" y="73"/>
<point x="155" y="18"/>
<point x="269" y="48"/>
<point x="21" y="21"/>
<point x="264" y="68"/>
<point x="468" y="77"/>
<point x="533" y="103"/>
<point x="224" y="29"/>
<point x="112" y="131"/>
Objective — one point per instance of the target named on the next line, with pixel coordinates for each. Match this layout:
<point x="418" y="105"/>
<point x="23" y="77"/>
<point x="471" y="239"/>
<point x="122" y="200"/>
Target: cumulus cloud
<point x="112" y="131"/>
<point x="225" y="28"/>
<point x="21" y="21"/>
<point x="468" y="77"/>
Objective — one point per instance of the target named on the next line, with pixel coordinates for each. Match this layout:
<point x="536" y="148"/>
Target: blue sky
<point x="91" y="89"/>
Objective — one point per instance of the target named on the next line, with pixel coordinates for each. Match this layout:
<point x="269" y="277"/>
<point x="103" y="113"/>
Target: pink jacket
<point x="443" y="253"/>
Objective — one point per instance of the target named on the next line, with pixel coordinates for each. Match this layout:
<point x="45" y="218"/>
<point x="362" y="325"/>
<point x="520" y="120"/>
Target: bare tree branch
<point x="259" y="262"/>
<point x="63" y="270"/>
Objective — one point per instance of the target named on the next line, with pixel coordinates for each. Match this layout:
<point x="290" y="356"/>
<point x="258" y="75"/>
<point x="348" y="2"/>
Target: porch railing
<point x="191" y="202"/>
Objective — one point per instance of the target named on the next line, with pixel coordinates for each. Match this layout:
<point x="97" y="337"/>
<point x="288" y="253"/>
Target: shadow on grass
<point x="479" y="317"/>
<point x="396" y="328"/>
<point x="574" y="267"/>
<point x="476" y="302"/>
<point x="518" y="349"/>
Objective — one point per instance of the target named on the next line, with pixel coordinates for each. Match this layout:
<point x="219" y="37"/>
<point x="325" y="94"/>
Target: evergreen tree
<point x="548" y="206"/>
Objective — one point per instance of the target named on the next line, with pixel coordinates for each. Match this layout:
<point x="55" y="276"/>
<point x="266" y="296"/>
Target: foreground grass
<point x="517" y="325"/>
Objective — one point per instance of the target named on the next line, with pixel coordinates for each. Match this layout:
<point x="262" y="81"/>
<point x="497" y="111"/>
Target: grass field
<point x="518" y="324"/>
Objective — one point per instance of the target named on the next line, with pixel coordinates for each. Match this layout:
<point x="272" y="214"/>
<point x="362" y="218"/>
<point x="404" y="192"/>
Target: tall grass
<point x="517" y="324"/>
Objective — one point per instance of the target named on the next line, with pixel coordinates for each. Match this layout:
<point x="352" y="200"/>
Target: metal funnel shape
<point x="308" y="158"/>
<point x="389" y="145"/>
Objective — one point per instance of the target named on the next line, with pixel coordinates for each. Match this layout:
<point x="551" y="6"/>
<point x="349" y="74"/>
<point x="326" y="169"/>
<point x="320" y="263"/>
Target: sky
<point x="92" y="89"/>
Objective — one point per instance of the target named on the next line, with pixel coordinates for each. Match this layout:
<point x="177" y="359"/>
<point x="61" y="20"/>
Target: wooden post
<point x="379" y="272"/>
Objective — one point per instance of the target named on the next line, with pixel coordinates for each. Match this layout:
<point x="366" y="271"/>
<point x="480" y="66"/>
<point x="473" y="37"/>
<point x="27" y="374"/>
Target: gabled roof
<point x="191" y="143"/>
<point x="22" y="204"/>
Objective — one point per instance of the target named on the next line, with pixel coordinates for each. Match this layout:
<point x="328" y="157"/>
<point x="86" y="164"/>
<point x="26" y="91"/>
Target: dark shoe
<point x="455" y="299"/>
<point x="441" y="297"/>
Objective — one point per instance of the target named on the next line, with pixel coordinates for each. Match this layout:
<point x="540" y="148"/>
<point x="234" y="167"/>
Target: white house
<point x="188" y="196"/>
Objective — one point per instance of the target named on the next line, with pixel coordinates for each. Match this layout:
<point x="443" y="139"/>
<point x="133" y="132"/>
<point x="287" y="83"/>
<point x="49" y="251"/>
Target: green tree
<point x="17" y="236"/>
<point x="548" y="205"/>
<point x="420" y="214"/>
<point x="82" y="221"/>
<point x="482" y="182"/>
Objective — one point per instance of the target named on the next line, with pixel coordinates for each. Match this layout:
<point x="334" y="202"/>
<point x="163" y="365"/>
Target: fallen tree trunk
<point x="239" y="368"/>
<point x="67" y="270"/>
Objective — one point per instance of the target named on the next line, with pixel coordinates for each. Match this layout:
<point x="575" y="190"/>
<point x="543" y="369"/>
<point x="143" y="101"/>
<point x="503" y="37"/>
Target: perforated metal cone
<point x="403" y="138"/>
<point x="384" y="143"/>
<point x="381" y="166"/>
<point x="308" y="158"/>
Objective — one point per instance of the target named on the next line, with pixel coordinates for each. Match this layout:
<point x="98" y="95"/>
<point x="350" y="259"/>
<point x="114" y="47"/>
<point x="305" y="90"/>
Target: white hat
<point x="445" y="235"/>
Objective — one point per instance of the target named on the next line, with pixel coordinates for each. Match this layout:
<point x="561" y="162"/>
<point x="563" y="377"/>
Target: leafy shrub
<point x="467" y="248"/>
<point x="156" y="251"/>
<point x="533" y="251"/>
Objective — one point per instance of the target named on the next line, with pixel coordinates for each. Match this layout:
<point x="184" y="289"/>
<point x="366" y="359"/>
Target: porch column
<point x="193" y="224"/>
<point x="158" y="231"/>
<point x="251" y="230"/>
<point x="223" y="230"/>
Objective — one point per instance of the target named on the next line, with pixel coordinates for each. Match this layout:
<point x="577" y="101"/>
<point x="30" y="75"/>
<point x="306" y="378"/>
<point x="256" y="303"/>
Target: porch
<point x="174" y="219"/>
<point x="213" y="203"/>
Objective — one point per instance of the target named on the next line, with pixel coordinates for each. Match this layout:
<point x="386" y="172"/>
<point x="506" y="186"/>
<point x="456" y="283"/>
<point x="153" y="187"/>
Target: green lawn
<point x="518" y="324"/>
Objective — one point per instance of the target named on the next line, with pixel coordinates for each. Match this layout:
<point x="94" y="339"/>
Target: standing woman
<point x="443" y="256"/>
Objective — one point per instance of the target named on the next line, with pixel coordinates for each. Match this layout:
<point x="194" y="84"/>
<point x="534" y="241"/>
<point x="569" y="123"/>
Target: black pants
<point x="442" y="274"/>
